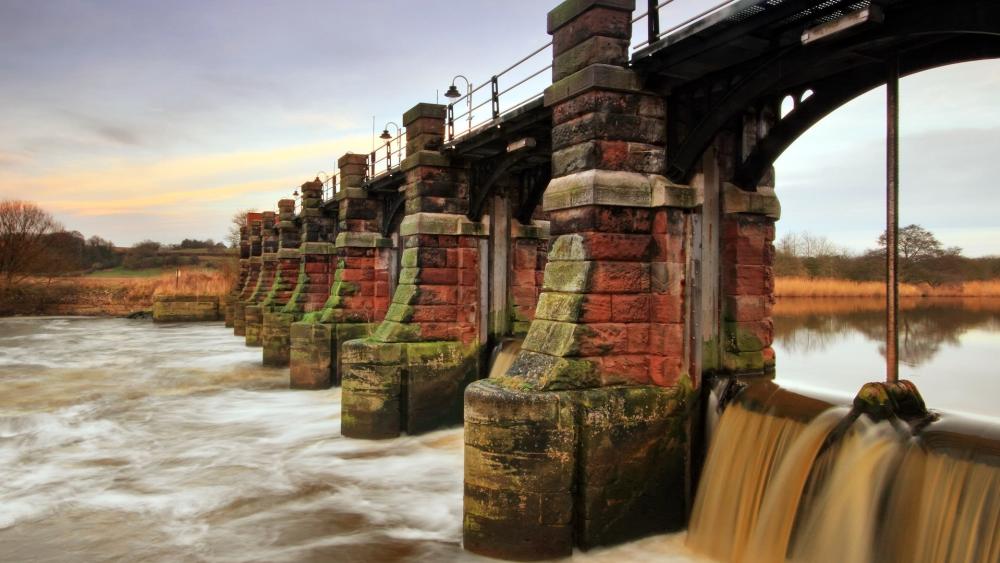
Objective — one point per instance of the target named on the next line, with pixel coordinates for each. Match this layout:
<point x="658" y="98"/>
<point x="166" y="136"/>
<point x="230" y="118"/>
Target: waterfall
<point x="790" y="478"/>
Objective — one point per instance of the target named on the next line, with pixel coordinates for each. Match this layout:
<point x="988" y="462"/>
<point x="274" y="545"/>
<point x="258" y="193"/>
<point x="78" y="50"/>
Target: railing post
<point x="495" y="97"/>
<point x="653" y="20"/>
<point x="451" y="122"/>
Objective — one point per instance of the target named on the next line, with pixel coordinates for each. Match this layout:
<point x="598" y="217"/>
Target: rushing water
<point x="123" y="440"/>
<point x="948" y="348"/>
<point x="792" y="478"/>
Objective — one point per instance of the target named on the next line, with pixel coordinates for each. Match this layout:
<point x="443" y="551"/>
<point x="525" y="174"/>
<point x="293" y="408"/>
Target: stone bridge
<point x="620" y="226"/>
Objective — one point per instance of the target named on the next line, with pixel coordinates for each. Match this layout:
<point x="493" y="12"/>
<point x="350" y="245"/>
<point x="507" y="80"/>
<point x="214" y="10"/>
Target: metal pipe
<point x="892" y="222"/>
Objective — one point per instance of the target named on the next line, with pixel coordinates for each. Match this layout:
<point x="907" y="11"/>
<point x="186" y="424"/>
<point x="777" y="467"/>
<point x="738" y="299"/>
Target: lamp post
<point x="387" y="137"/>
<point x="453" y="94"/>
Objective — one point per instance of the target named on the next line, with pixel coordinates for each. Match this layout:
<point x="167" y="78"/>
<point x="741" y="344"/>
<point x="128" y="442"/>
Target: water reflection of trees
<point x="926" y="325"/>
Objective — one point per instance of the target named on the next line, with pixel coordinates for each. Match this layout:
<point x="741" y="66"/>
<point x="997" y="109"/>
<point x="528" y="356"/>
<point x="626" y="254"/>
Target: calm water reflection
<point x="948" y="347"/>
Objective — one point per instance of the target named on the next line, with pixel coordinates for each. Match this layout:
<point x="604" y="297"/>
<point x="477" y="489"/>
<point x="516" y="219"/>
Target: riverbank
<point x="831" y="287"/>
<point x="101" y="296"/>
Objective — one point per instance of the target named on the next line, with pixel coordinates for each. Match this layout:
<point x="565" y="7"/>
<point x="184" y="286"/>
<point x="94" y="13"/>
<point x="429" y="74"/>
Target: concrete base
<point x="254" y="324"/>
<point x="276" y="339"/>
<point x="413" y="387"/>
<point x="545" y="471"/>
<point x="185" y="308"/>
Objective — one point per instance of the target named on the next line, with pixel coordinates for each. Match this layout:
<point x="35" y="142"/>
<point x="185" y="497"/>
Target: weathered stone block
<point x="312" y="356"/>
<point x="608" y="127"/>
<point x="606" y="21"/>
<point x="185" y="308"/>
<point x="596" y="50"/>
<point x="632" y="452"/>
<point x="276" y="338"/>
<point x="519" y="465"/>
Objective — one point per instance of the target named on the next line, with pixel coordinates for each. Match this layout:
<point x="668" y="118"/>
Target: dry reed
<point x="829" y="287"/>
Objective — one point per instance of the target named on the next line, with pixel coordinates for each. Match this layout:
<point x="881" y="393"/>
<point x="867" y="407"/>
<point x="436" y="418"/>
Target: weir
<point x="619" y="227"/>
<point x="792" y="477"/>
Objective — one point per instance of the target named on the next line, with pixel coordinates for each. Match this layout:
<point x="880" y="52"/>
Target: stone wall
<point x="185" y="308"/>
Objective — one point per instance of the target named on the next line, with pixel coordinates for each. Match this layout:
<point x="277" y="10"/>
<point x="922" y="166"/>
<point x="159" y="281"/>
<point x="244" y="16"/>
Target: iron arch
<point x="920" y="32"/>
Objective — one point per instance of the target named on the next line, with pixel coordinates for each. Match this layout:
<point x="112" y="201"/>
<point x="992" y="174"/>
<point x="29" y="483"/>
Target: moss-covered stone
<point x="185" y="308"/>
<point x="519" y="467"/>
<point x="568" y="276"/>
<point x="532" y="371"/>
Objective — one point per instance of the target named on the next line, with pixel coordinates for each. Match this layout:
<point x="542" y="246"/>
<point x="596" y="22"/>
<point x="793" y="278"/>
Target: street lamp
<point x="453" y="94"/>
<point x="387" y="137"/>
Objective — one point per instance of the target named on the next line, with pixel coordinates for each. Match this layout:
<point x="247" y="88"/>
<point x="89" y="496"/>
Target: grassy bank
<point x="108" y="295"/>
<point x="830" y="287"/>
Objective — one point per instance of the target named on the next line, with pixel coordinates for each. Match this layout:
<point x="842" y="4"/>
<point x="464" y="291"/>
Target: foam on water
<point x="126" y="440"/>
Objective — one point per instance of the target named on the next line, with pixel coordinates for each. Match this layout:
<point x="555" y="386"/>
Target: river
<point x="123" y="440"/>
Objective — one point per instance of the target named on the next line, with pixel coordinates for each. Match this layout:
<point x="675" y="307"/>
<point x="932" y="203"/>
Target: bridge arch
<point x="834" y="71"/>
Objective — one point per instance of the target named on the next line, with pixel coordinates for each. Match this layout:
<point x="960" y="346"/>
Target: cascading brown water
<point x="782" y="484"/>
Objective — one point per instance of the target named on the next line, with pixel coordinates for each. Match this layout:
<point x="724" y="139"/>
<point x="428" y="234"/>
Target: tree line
<point x="33" y="243"/>
<point x="922" y="259"/>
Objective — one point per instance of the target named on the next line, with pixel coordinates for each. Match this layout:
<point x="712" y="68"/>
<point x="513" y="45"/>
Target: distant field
<point x="111" y="292"/>
<point x="121" y="272"/>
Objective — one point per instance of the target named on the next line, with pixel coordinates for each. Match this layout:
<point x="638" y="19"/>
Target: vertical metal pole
<point x="892" y="222"/>
<point x="469" y="98"/>
<point x="496" y="97"/>
<point x="451" y="122"/>
<point x="653" y="19"/>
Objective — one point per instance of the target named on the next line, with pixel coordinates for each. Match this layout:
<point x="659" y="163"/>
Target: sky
<point x="143" y="119"/>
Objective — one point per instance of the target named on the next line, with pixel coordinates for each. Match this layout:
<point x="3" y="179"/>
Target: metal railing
<point x="652" y="17"/>
<point x="329" y="186"/>
<point x="385" y="159"/>
<point x="522" y="79"/>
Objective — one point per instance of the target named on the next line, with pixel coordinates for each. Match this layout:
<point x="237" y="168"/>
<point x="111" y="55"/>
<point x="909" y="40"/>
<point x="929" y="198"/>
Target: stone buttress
<point x="254" y="264"/>
<point x="359" y="294"/>
<point x="748" y="278"/>
<point x="276" y="324"/>
<point x="315" y="271"/>
<point x="583" y="442"/>
<point x="409" y="375"/>
<point x="269" y="267"/>
<point x="229" y="301"/>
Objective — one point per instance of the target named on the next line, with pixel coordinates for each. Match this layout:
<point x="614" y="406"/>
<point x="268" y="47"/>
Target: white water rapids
<point x="122" y="440"/>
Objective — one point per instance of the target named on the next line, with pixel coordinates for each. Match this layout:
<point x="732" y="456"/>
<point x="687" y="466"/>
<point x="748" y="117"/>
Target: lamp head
<point x="385" y="136"/>
<point x="452" y="93"/>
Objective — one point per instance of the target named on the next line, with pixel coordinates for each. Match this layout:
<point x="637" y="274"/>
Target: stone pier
<point x="255" y="223"/>
<point x="314" y="276"/>
<point x="276" y="323"/>
<point x="409" y="375"/>
<point x="269" y="267"/>
<point x="583" y="442"/>
<point x="229" y="301"/>
<point x="358" y="296"/>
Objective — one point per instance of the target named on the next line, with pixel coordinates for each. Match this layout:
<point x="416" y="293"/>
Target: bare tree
<point x="25" y="230"/>
<point x="239" y="221"/>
